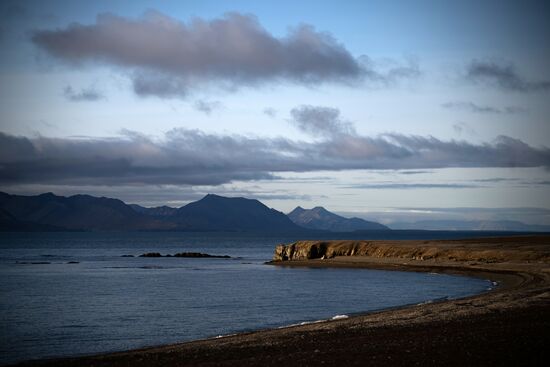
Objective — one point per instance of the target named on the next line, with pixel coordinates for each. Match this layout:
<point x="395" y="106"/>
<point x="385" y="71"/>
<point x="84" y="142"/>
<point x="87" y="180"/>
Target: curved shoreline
<point x="508" y="325"/>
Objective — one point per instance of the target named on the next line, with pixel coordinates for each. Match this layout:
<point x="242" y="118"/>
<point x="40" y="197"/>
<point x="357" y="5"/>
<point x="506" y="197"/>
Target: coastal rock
<point x="198" y="254"/>
<point x="151" y="254"/>
<point x="412" y="250"/>
<point x="185" y="254"/>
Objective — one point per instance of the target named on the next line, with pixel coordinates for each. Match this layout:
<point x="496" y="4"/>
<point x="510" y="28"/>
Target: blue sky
<point x="383" y="109"/>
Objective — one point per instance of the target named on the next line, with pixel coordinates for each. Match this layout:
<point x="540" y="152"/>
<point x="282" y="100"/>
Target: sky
<point x="386" y="110"/>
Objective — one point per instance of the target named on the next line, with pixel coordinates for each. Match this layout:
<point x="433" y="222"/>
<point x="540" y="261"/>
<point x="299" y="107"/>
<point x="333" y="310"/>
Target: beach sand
<point x="509" y="325"/>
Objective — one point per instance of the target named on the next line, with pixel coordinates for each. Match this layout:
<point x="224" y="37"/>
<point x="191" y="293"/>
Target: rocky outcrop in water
<point x="151" y="254"/>
<point x="459" y="250"/>
<point x="185" y="254"/>
<point x="198" y="254"/>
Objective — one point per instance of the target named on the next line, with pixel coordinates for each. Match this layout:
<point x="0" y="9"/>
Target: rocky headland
<point x="486" y="250"/>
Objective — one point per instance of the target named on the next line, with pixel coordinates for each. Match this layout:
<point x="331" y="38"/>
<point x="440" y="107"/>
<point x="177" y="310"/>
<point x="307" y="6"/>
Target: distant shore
<point x="509" y="325"/>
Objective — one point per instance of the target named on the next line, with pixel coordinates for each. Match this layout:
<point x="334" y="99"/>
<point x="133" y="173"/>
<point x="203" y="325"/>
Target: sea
<point x="80" y="293"/>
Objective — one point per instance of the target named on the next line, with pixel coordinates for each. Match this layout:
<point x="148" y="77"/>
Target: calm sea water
<point x="107" y="302"/>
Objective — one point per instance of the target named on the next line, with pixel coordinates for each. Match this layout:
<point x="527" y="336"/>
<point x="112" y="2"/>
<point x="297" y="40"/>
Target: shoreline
<point x="480" y="329"/>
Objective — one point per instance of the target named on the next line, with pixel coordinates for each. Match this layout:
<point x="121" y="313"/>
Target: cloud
<point x="496" y="180"/>
<point x="411" y="186"/>
<point x="207" y="107"/>
<point x="389" y="71"/>
<point x="270" y="112"/>
<point x="157" y="84"/>
<point x="414" y="172"/>
<point x="462" y="127"/>
<point x="84" y="95"/>
<point x="234" y="49"/>
<point x="475" y="108"/>
<point x="170" y="58"/>
<point x="192" y="157"/>
<point x="504" y="77"/>
<point x="320" y="121"/>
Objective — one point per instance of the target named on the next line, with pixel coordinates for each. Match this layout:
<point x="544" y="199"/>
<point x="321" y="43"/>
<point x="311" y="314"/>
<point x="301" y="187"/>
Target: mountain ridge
<point x="321" y="219"/>
<point x="50" y="212"/>
<point x="232" y="214"/>
<point x="77" y="212"/>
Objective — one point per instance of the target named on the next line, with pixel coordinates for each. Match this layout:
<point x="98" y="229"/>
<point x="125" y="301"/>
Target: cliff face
<point x="481" y="250"/>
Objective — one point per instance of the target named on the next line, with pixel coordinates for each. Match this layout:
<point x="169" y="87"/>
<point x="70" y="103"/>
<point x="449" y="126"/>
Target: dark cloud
<point x="84" y="95"/>
<point x="504" y="77"/>
<point x="160" y="85"/>
<point x="320" y="121"/>
<point x="192" y="157"/>
<point x="207" y="107"/>
<point x="259" y="194"/>
<point x="170" y="58"/>
<point x="475" y="108"/>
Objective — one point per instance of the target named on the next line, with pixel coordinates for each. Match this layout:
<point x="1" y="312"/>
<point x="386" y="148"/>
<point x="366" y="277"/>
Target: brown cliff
<point x="487" y="250"/>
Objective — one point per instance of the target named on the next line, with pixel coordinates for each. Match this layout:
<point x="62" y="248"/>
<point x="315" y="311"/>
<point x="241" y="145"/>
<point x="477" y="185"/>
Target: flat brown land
<point x="507" y="326"/>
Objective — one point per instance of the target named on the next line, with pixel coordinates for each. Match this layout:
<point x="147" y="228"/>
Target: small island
<point x="185" y="254"/>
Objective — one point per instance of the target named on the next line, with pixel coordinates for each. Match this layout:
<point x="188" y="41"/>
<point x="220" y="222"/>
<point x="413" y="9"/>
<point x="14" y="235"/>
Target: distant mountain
<point x="159" y="211"/>
<point x="78" y="212"/>
<point x="321" y="219"/>
<point x="49" y="212"/>
<point x="11" y="224"/>
<point x="218" y="213"/>
<point x="464" y="225"/>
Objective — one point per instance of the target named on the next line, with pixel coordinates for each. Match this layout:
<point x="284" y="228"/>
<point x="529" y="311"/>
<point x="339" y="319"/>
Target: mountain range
<point x="321" y="219"/>
<point x="49" y="212"/>
<point x="78" y="212"/>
